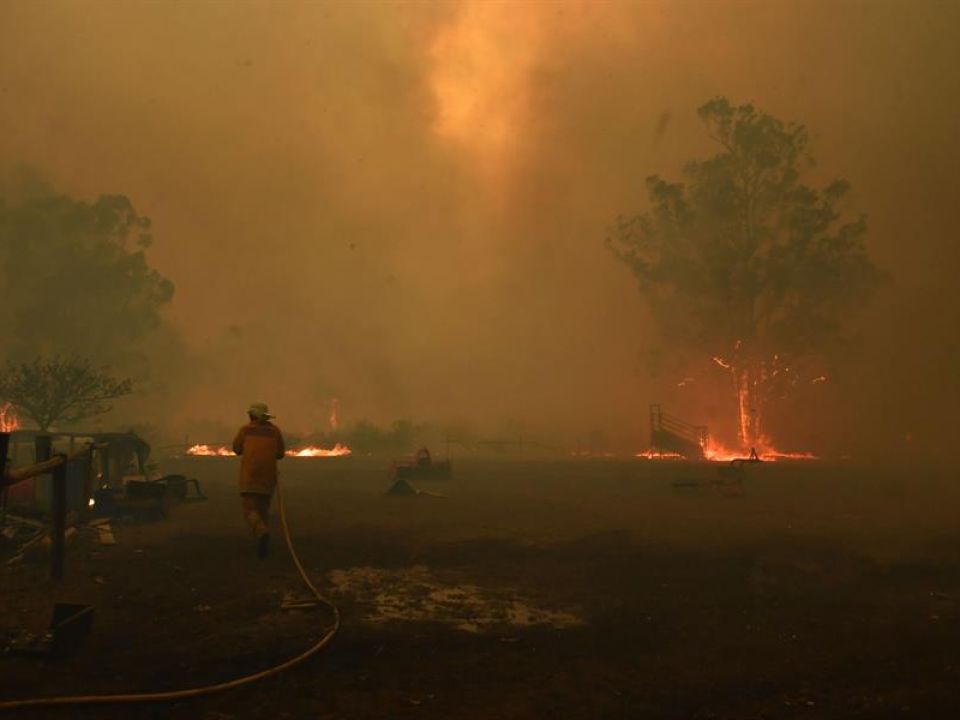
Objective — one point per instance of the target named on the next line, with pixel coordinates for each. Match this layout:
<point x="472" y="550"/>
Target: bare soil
<point x="534" y="589"/>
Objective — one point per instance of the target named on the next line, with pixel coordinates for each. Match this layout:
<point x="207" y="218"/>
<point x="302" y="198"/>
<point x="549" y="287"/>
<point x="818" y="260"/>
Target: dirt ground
<point x="534" y="589"/>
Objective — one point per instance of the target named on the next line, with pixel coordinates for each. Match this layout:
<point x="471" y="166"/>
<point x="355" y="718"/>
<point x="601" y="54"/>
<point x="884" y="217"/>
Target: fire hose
<point x="324" y="640"/>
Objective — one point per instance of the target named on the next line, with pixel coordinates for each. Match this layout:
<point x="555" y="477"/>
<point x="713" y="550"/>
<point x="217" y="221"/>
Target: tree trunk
<point x="748" y="381"/>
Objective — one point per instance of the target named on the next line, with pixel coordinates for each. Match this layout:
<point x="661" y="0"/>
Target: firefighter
<point x="260" y="445"/>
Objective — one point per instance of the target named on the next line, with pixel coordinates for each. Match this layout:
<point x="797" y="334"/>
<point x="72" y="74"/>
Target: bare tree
<point x="60" y="390"/>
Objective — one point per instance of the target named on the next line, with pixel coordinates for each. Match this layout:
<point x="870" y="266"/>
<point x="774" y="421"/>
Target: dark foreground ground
<point x="579" y="589"/>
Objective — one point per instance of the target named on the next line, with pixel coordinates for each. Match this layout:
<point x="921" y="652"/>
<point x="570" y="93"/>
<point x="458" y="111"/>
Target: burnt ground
<point x="574" y="589"/>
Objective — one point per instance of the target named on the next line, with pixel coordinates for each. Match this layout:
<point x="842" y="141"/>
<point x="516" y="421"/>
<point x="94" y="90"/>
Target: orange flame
<point x="9" y="421"/>
<point x="657" y="455"/>
<point x="745" y="413"/>
<point x="716" y="452"/>
<point x="337" y="450"/>
<point x="210" y="450"/>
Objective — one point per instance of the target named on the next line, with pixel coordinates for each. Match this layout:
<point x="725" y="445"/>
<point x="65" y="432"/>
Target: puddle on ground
<point x="415" y="594"/>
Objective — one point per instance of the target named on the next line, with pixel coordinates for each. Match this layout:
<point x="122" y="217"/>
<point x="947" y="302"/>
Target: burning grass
<point x="714" y="451"/>
<point x="311" y="451"/>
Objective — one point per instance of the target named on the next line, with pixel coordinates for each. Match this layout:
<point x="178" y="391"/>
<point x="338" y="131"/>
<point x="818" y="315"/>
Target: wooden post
<point x="105" y="465"/>
<point x="4" y="445"/>
<point x="59" y="527"/>
<point x="89" y="486"/>
<point x="42" y="444"/>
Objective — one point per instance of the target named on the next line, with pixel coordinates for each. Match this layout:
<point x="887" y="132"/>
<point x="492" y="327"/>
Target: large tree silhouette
<point x="743" y="262"/>
<point x="75" y="278"/>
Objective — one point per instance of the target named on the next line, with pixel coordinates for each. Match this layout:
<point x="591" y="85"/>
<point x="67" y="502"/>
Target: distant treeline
<point x="405" y="436"/>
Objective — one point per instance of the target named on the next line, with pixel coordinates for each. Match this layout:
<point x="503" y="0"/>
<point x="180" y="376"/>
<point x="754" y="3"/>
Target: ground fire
<point x="338" y="450"/>
<point x="657" y="455"/>
<point x="715" y="451"/>
<point x="210" y="450"/>
<point x="675" y="439"/>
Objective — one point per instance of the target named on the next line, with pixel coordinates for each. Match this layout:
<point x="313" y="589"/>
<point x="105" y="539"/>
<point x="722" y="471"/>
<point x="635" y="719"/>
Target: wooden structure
<point x="669" y="434"/>
<point x="56" y="466"/>
<point x="114" y="456"/>
<point x="81" y="465"/>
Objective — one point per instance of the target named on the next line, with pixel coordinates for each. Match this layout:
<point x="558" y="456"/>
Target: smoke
<point x="403" y="205"/>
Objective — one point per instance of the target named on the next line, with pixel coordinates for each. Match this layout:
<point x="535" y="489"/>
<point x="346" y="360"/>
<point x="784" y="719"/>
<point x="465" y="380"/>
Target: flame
<point x="714" y="451"/>
<point x="9" y="421"/>
<point x="754" y="386"/>
<point x="745" y="413"/>
<point x="337" y="450"/>
<point x="657" y="455"/>
<point x="210" y="450"/>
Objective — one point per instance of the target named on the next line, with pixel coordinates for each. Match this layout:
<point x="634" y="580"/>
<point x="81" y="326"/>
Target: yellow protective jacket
<point x="259" y="445"/>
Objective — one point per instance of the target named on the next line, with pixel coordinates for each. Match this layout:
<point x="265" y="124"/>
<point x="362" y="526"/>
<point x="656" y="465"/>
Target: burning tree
<point x="744" y="260"/>
<point x="60" y="390"/>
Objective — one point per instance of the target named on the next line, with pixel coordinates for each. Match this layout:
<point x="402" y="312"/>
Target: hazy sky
<point x="403" y="204"/>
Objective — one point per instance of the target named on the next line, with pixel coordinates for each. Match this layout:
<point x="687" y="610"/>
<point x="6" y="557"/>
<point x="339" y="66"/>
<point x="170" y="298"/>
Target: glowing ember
<point x="722" y="363"/>
<point x="337" y="450"/>
<point x="210" y="451"/>
<point x="8" y="418"/>
<point x="656" y="455"/>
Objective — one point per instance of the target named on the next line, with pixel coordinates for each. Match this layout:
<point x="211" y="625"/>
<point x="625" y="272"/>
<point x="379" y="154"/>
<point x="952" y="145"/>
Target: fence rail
<point x="56" y="466"/>
<point x="667" y="431"/>
<point x="660" y="420"/>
